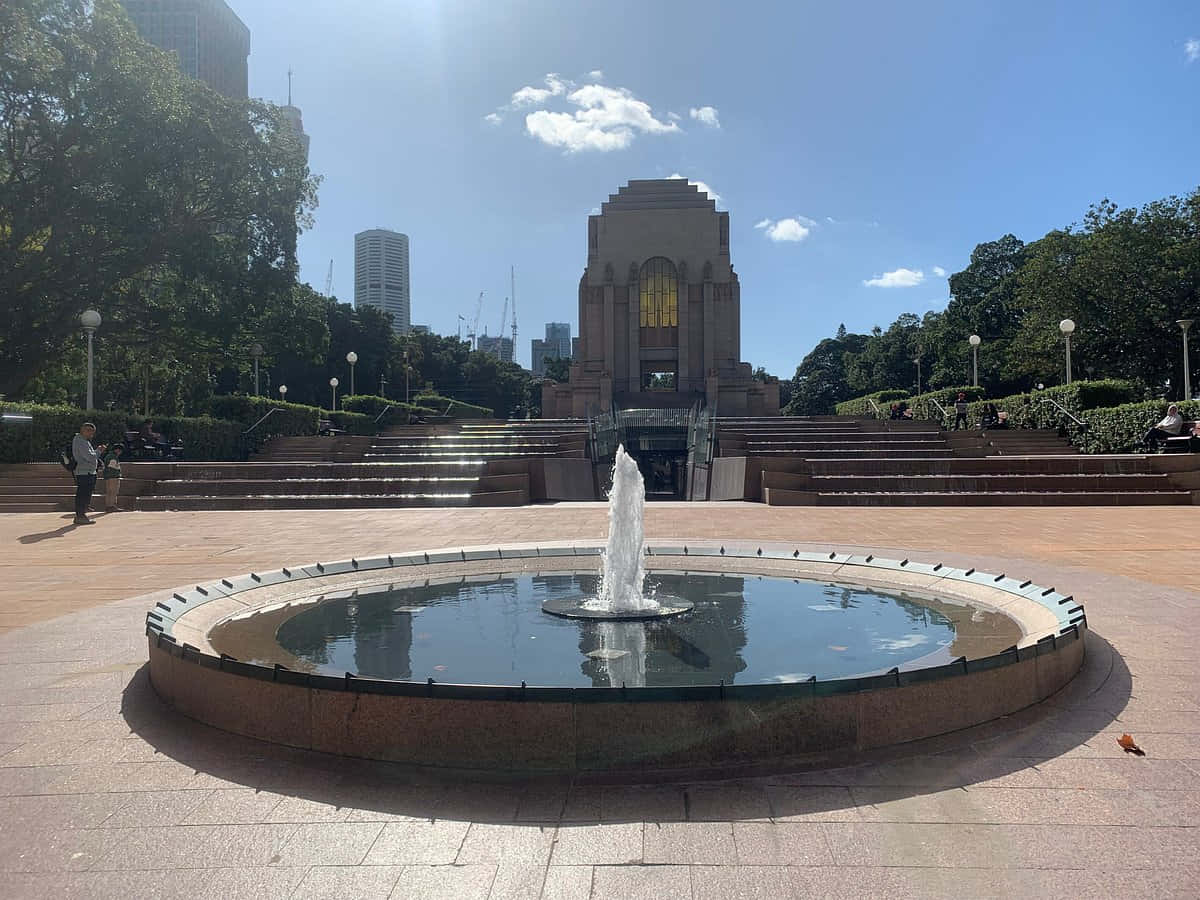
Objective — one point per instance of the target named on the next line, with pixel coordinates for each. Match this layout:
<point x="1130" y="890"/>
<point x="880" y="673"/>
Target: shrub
<point x="398" y="414"/>
<point x="292" y="418"/>
<point x="923" y="406"/>
<point x="351" y="422"/>
<point x="1033" y="410"/>
<point x="204" y="438"/>
<point x="445" y="406"/>
<point x="861" y="406"/>
<point x="1119" y="429"/>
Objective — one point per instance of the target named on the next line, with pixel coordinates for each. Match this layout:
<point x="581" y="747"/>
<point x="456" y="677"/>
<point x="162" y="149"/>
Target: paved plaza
<point x="106" y="793"/>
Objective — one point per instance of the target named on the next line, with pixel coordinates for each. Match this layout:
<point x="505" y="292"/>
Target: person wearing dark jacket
<point x="87" y="460"/>
<point x="960" y="411"/>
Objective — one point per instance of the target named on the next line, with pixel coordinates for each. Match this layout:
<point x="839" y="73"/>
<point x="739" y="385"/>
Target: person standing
<point x="87" y="459"/>
<point x="960" y="411"/>
<point x="110" y="472"/>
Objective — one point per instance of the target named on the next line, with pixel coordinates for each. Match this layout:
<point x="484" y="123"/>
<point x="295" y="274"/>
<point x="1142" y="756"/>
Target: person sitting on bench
<point x="1171" y="426"/>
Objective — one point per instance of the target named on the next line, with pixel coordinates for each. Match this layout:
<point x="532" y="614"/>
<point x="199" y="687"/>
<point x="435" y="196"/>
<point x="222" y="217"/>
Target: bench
<point x="1187" y="442"/>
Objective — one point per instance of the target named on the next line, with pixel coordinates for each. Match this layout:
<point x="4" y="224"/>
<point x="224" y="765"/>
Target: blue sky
<point x="862" y="138"/>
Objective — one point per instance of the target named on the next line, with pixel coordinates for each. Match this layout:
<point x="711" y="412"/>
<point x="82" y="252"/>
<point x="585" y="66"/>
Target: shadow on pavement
<point x="1075" y="717"/>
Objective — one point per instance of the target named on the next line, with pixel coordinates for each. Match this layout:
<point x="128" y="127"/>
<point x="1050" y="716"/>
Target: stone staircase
<point x="853" y="462"/>
<point x="410" y="466"/>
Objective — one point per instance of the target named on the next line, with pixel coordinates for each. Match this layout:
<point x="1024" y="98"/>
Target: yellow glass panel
<point x="658" y="294"/>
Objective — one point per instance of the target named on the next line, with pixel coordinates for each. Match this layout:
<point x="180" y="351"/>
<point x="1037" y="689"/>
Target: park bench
<point x="1187" y="442"/>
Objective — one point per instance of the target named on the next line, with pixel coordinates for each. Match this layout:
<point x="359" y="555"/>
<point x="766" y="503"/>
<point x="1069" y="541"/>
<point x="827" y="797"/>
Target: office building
<point x="381" y="274"/>
<point x="206" y="36"/>
<point x="420" y="329"/>
<point x="497" y="346"/>
<point x="556" y="345"/>
<point x="558" y="335"/>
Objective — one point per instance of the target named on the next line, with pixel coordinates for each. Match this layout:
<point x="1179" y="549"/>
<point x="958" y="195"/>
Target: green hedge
<point x="372" y="406"/>
<point x="445" y="406"/>
<point x="923" y="408"/>
<point x="861" y="406"/>
<point x="204" y="438"/>
<point x="351" y="422"/>
<point x="1032" y="411"/>
<point x="1119" y="429"/>
<point x="292" y="418"/>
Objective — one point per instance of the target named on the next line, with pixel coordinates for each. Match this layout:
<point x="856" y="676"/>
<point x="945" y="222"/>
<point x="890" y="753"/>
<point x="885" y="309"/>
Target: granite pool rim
<point x="1056" y="620"/>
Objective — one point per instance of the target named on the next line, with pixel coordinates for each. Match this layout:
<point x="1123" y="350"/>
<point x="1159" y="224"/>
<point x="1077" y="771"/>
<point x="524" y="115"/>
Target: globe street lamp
<point x="90" y="320"/>
<point x="283" y="393"/>
<point x="333" y="383"/>
<point x="974" y="340"/>
<point x="1185" y="324"/>
<point x="352" y="358"/>
<point x="256" y="351"/>
<point x="1067" y="327"/>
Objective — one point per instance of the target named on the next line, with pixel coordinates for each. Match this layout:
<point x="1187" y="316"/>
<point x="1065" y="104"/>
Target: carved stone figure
<point x="608" y="273"/>
<point x="707" y="270"/>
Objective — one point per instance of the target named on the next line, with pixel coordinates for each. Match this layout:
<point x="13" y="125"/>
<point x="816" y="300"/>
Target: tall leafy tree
<point x="128" y="187"/>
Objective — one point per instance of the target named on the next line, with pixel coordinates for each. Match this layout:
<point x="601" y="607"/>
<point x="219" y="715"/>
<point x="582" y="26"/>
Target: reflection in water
<point x="490" y="629"/>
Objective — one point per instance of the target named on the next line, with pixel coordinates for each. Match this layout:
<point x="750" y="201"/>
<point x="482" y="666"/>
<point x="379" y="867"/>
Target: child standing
<point x="111" y="473"/>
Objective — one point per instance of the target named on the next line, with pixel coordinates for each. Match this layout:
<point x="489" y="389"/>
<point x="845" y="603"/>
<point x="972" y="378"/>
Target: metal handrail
<point x="386" y="410"/>
<point x="1066" y="412"/>
<point x="875" y="406"/>
<point x="270" y="412"/>
<point x="941" y="409"/>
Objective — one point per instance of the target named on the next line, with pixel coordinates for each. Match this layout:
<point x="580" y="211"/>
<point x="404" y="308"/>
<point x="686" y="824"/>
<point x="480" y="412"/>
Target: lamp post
<point x="382" y="382"/>
<point x="90" y="320"/>
<point x="1067" y="327"/>
<point x="352" y="358"/>
<point x="974" y="340"/>
<point x="918" y="364"/>
<point x="333" y="383"/>
<point x="1185" y="324"/>
<point x="256" y="351"/>
<point x="283" y="393"/>
<point x="407" y="370"/>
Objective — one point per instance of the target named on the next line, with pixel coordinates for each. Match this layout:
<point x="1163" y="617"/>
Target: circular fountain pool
<point x="444" y="658"/>
<point x="741" y="629"/>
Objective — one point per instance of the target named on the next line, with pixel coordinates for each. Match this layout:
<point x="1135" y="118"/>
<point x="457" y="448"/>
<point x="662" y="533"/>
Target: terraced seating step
<point x="779" y="497"/>
<point x="331" y="501"/>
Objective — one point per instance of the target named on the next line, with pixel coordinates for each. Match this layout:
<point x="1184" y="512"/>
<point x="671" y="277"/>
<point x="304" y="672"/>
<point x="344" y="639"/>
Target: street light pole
<point x="1066" y="326"/>
<point x="1185" y="324"/>
<point x="352" y="358"/>
<point x="407" y="370"/>
<point x="974" y="340"/>
<point x="256" y="351"/>
<point x="90" y="321"/>
<point x="333" y="383"/>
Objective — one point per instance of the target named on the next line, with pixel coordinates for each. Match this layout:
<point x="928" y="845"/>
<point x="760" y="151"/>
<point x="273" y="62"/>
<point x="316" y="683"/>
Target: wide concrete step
<point x="846" y="455"/>
<point x="780" y="497"/>
<point x="966" y="483"/>
<point x="34" y="505"/>
<point x="989" y="465"/>
<point x="341" y="487"/>
<point x="333" y="501"/>
<point x="802" y="447"/>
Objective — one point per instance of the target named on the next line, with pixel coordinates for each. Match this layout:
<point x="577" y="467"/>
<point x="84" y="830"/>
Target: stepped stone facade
<point x="659" y="310"/>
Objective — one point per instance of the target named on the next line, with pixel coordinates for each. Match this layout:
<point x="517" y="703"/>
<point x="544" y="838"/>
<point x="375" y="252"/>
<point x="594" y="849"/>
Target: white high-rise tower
<point x="381" y="274"/>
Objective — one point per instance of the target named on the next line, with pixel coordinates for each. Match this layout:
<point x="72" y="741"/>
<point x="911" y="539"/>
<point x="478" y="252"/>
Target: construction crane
<point x="473" y="334"/>
<point x="512" y="273"/>
<point x="461" y="319"/>
<point x="503" y="322"/>
<point x="329" y="277"/>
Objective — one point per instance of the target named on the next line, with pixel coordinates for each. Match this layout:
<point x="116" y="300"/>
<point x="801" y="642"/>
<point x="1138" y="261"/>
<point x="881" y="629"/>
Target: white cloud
<point x="596" y="74"/>
<point x="704" y="188"/>
<point x="896" y="278"/>
<point x="939" y="271"/>
<point x="831" y="220"/>
<point x="1191" y="48"/>
<point x="533" y="96"/>
<point x="607" y="119"/>
<point x="493" y="118"/>
<point x="674" y="116"/>
<point x="794" y="228"/>
<point x="706" y="115"/>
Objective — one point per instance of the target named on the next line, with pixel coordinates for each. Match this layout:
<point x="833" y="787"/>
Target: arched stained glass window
<point x="659" y="290"/>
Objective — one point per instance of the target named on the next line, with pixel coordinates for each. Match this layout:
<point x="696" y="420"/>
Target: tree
<point x="820" y="380"/>
<point x="127" y="186"/>
<point x="557" y="369"/>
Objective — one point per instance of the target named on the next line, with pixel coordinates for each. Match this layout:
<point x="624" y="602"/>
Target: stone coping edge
<point x="1070" y="619"/>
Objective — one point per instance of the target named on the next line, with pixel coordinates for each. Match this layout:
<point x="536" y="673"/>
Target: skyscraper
<point x="381" y="274"/>
<point x="209" y="40"/>
<point x="292" y="114"/>
<point x="500" y="347"/>
<point x="558" y="334"/>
